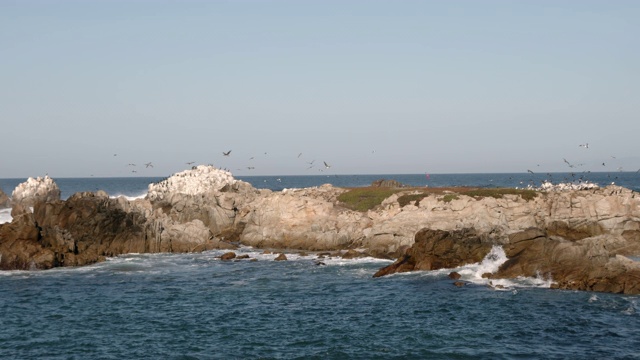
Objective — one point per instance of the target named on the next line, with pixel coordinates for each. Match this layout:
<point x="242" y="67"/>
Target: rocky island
<point x="582" y="238"/>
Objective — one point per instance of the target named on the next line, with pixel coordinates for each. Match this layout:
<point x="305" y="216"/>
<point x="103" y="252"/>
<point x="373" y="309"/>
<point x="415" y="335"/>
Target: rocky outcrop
<point x="590" y="264"/>
<point x="593" y="264"/>
<point x="34" y="190"/>
<point x="204" y="208"/>
<point x="206" y="194"/>
<point x="439" y="249"/>
<point x="88" y="227"/>
<point x="5" y="201"/>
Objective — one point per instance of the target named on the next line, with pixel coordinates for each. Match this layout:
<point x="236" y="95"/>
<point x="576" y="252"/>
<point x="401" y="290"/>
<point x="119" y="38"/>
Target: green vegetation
<point x="408" y="198"/>
<point x="500" y="192"/>
<point x="363" y="199"/>
<point x="449" y="197"/>
<point x="367" y="198"/>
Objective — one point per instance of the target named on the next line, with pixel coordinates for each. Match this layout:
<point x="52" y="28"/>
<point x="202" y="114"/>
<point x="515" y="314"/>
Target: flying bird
<point x="585" y="145"/>
<point x="226" y="153"/>
<point x="148" y="164"/>
<point x="190" y="162"/>
<point x="530" y="171"/>
<point x="568" y="163"/>
<point x="132" y="164"/>
<point x="326" y="165"/>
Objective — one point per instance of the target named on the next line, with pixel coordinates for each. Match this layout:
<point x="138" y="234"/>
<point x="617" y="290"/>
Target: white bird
<point x="585" y="145"/>
<point x="326" y="165"/>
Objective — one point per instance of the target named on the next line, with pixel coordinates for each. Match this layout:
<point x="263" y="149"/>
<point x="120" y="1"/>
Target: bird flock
<point x="249" y="166"/>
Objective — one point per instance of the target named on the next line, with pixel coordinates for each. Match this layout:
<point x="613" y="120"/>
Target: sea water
<point x="196" y="306"/>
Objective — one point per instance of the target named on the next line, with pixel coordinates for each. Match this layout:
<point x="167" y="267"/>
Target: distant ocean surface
<point x="137" y="186"/>
<point x="195" y="306"/>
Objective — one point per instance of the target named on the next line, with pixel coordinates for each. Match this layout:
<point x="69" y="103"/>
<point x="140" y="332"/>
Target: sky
<point x="367" y="87"/>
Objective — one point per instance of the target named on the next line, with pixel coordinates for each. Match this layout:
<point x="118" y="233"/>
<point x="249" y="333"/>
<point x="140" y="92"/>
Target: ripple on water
<point x="177" y="305"/>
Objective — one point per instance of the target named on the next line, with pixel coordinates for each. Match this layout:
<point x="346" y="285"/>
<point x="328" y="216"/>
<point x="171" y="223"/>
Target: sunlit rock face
<point x="206" y="208"/>
<point x="35" y="189"/>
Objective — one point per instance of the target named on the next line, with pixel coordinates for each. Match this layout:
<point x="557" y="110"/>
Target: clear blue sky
<point x="370" y="87"/>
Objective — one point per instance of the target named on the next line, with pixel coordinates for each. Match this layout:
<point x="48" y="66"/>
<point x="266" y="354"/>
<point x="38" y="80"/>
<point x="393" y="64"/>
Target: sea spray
<point x="473" y="273"/>
<point x="5" y="215"/>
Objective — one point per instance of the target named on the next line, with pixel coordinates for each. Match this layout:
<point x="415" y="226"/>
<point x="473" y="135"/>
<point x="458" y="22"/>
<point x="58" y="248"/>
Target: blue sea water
<point x="137" y="186"/>
<point x="195" y="306"/>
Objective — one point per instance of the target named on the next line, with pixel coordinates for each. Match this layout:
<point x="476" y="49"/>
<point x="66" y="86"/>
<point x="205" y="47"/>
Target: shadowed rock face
<point x="593" y="264"/>
<point x="439" y="249"/>
<point x="88" y="227"/>
<point x="576" y="237"/>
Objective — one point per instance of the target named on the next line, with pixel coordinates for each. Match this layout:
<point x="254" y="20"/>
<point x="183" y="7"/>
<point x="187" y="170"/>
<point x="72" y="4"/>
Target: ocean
<point x="196" y="306"/>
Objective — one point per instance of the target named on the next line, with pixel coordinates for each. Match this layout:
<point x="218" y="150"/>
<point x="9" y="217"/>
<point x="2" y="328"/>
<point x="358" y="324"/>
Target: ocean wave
<point x="5" y="216"/>
<point x="129" y="197"/>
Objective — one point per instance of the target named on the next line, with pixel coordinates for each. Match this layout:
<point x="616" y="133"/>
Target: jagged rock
<point x="5" y="201"/>
<point x="204" y="208"/>
<point x="454" y="275"/>
<point x="87" y="227"/>
<point x="34" y="190"/>
<point x="281" y="257"/>
<point x="438" y="249"/>
<point x="203" y="193"/>
<point x="20" y="246"/>
<point x="589" y="264"/>
<point x="593" y="263"/>
<point x="459" y="283"/>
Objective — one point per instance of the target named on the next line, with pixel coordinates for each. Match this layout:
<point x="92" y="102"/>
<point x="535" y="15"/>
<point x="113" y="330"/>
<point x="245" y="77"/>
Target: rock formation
<point x="34" y="190"/>
<point x="594" y="264"/>
<point x="205" y="208"/>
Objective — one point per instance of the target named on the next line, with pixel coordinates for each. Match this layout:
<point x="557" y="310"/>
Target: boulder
<point x="438" y="249"/>
<point x="88" y="227"/>
<point x="591" y="264"/>
<point x="203" y="193"/>
<point x="34" y="190"/>
<point x="281" y="257"/>
<point x="20" y="245"/>
<point x="228" y="256"/>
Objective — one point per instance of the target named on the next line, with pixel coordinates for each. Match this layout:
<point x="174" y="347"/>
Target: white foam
<point x="5" y="216"/>
<point x="472" y="273"/>
<point x="129" y="197"/>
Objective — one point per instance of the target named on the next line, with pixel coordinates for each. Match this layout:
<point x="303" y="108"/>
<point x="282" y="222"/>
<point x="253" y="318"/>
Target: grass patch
<point x="367" y="198"/>
<point x="450" y="197"/>
<point x="363" y="199"/>
<point x="500" y="192"/>
<point x="408" y="198"/>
